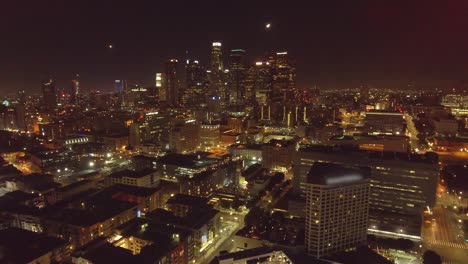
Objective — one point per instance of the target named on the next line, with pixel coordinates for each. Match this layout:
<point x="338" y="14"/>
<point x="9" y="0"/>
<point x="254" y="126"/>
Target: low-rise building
<point x="278" y="154"/>
<point x="141" y="178"/>
<point x="80" y="222"/>
<point x="22" y="246"/>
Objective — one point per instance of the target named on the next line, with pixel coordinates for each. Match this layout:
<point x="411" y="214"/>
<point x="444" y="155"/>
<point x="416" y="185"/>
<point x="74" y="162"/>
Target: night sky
<point x="336" y="44"/>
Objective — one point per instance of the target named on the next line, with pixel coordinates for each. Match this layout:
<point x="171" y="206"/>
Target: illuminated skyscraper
<point x="337" y="209"/>
<point x="284" y="78"/>
<point x="216" y="73"/>
<point x="160" y="88"/>
<point x="50" y="95"/>
<point x="120" y="86"/>
<point x="216" y="61"/>
<point x="75" y="90"/>
<point x="172" y="83"/>
<point x="195" y="93"/>
<point x="258" y="82"/>
<point x="237" y="75"/>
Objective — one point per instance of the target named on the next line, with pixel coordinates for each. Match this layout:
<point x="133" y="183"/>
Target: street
<point x="412" y="132"/>
<point x="230" y="225"/>
<point x="443" y="234"/>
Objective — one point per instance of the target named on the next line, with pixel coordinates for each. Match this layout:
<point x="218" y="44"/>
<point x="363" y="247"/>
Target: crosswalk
<point x="448" y="244"/>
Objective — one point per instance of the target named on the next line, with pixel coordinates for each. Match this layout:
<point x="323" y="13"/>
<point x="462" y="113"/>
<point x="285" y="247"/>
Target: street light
<point x="91" y="164"/>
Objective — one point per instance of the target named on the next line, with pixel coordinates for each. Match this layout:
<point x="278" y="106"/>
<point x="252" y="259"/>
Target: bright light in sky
<point x="110" y="46"/>
<point x="268" y="25"/>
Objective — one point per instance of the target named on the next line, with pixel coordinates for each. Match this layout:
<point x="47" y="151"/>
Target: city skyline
<point x="333" y="46"/>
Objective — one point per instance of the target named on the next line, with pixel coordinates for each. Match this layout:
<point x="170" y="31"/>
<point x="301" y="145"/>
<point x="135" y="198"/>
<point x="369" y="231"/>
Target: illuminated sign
<point x="216" y="44"/>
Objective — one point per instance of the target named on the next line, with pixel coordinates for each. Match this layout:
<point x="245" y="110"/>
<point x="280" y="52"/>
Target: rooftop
<point x="132" y="173"/>
<point x="189" y="200"/>
<point x="95" y="209"/>
<point x="130" y="189"/>
<point x="333" y="174"/>
<point x="357" y="154"/>
<point x="22" y="246"/>
<point x="193" y="220"/>
<point x="73" y="186"/>
<point x="196" y="160"/>
<point x="102" y="252"/>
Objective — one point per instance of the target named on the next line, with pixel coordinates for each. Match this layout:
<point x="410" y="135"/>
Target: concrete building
<point x="337" y="208"/>
<point x="278" y="154"/>
<point x="142" y="178"/>
<point x="402" y="185"/>
<point x="210" y="135"/>
<point x="21" y="246"/>
<point x="387" y="143"/>
<point x="387" y="123"/>
<point x="261" y="255"/>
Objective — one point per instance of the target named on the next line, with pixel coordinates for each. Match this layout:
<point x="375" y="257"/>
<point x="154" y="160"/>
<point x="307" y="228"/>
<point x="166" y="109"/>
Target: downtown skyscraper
<point x="172" y="83"/>
<point x="216" y="73"/>
<point x="49" y="93"/>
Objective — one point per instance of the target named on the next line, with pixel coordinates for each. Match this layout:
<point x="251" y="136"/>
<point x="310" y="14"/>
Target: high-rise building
<point x="237" y="75"/>
<point x="337" y="207"/>
<point x="195" y="93"/>
<point x="284" y="78"/>
<point x="172" y="83"/>
<point x="258" y="83"/>
<point x="120" y="86"/>
<point x="216" y="61"/>
<point x="402" y="186"/>
<point x="75" y="90"/>
<point x="50" y="95"/>
<point x="216" y="73"/>
<point x="21" y="111"/>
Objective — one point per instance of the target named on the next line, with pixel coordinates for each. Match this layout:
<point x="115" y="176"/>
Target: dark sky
<point x="335" y="44"/>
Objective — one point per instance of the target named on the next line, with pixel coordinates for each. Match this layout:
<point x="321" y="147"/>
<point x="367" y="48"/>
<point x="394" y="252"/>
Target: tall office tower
<point x="172" y="83"/>
<point x="337" y="208"/>
<point x="120" y="88"/>
<point x="237" y="75"/>
<point x="50" y="95"/>
<point x="258" y="83"/>
<point x="284" y="78"/>
<point x="195" y="93"/>
<point x="160" y="86"/>
<point x="158" y="127"/>
<point x="75" y="90"/>
<point x="216" y="73"/>
<point x="216" y="61"/>
<point x="21" y="111"/>
<point x="402" y="186"/>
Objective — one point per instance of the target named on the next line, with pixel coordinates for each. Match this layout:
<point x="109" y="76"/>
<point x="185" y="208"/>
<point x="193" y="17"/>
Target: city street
<point x="230" y="225"/>
<point x="412" y="132"/>
<point x="443" y="234"/>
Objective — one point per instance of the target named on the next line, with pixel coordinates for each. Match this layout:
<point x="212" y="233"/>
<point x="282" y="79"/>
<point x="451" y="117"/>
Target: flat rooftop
<point x="22" y="246"/>
<point x="330" y="174"/>
<point x="131" y="173"/>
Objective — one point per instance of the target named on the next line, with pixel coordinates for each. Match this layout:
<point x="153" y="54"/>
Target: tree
<point x="431" y="257"/>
